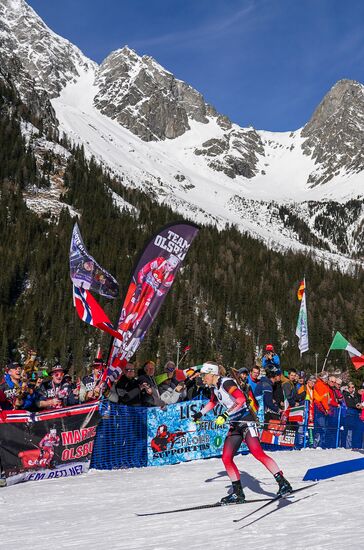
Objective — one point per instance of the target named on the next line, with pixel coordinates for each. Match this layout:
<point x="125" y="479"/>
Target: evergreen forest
<point x="232" y="296"/>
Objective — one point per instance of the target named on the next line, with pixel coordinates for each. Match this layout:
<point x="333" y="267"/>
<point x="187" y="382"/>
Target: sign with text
<point x="47" y="445"/>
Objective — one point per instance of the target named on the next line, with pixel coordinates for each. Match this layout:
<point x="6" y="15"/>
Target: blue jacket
<point x="252" y="384"/>
<point x="265" y="388"/>
<point x="274" y="362"/>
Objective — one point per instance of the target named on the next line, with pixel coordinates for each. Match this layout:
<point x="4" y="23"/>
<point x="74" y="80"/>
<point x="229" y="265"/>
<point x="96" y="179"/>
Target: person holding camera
<point x="270" y="358"/>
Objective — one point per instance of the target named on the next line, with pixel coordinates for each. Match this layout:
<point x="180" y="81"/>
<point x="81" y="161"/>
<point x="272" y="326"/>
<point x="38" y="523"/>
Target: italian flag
<point x="296" y="414"/>
<point x="339" y="342"/>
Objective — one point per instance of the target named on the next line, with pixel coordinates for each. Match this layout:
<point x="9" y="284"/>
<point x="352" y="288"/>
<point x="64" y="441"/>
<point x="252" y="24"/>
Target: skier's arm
<point x="210" y="405"/>
<point x="239" y="399"/>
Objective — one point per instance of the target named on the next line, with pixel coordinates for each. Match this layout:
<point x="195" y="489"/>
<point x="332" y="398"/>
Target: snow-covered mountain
<point x="299" y="190"/>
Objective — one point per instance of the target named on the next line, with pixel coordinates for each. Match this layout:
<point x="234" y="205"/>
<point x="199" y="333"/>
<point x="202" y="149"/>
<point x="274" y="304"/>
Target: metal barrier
<point x="121" y="440"/>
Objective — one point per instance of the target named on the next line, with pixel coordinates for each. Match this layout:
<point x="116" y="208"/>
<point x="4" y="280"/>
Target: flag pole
<point x="323" y="366"/>
<point x="178" y="350"/>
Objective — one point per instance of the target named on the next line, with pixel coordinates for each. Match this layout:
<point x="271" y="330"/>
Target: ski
<point x="203" y="507"/>
<point x="278" y="497"/>
<point x="275" y="510"/>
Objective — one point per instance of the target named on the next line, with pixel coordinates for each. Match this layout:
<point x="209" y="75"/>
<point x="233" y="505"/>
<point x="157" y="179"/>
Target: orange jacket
<point x="321" y="396"/>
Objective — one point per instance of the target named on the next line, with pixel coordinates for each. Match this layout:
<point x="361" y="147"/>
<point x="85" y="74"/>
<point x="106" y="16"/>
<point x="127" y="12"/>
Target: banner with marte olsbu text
<point x="47" y="445"/>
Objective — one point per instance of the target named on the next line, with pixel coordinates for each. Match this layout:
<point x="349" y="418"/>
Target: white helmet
<point x="209" y="368"/>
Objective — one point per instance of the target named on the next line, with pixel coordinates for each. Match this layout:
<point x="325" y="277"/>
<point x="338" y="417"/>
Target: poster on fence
<point x="280" y="434"/>
<point x="173" y="437"/>
<point x="47" y="445"/>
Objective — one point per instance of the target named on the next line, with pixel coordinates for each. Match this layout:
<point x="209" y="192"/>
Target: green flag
<point x="339" y="342"/>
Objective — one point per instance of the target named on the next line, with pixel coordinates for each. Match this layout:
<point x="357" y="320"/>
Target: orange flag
<point x="301" y="290"/>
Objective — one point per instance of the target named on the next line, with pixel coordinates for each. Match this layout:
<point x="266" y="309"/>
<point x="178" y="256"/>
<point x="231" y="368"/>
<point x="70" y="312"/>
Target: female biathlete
<point x="242" y="428"/>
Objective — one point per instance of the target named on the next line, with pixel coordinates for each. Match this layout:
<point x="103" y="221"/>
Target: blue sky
<point x="266" y="63"/>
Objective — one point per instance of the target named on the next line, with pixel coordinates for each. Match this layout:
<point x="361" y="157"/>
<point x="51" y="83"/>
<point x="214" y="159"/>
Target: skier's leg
<point x="256" y="450"/>
<point x="231" y="445"/>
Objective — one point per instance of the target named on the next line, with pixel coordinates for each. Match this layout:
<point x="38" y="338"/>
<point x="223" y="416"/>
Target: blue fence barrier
<point x="122" y="435"/>
<point x="121" y="439"/>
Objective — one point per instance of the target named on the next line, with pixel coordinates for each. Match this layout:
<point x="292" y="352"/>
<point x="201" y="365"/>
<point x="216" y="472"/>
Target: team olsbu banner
<point x="86" y="273"/>
<point x="151" y="280"/>
<point x="48" y="445"/>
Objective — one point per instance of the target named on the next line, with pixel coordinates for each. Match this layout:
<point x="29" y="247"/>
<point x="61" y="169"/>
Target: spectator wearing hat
<point x="243" y="375"/>
<point x="15" y="394"/>
<point x="55" y="393"/>
<point x="89" y="388"/>
<point x="301" y="387"/>
<point x="270" y="358"/>
<point x="126" y="390"/>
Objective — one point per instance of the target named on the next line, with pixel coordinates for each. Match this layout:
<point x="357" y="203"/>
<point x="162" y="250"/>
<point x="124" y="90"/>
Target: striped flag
<point x="296" y="414"/>
<point x="339" y="342"/>
<point x="90" y="311"/>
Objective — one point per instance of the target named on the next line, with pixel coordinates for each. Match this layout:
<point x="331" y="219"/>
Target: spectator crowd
<point x="332" y="401"/>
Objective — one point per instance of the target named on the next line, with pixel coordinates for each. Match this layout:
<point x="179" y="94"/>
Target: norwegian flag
<point x="90" y="311"/>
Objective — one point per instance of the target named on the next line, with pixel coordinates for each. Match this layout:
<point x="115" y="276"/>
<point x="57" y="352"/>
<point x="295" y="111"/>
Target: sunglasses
<point x="58" y="373"/>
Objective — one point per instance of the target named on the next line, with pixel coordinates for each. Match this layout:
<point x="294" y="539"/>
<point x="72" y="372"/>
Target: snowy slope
<point x="174" y="174"/>
<point x="159" y="134"/>
<point x="98" y="510"/>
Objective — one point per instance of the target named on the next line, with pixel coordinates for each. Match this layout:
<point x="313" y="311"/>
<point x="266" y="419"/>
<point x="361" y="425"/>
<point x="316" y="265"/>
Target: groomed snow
<point x="97" y="510"/>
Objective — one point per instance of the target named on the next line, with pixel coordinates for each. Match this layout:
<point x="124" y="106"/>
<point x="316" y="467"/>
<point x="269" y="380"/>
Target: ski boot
<point x="236" y="497"/>
<point x="284" y="487"/>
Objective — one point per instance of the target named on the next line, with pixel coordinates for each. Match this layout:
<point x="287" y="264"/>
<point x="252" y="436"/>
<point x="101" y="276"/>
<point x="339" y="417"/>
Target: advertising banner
<point x="278" y="433"/>
<point x="48" y="445"/>
<point x="173" y="437"/>
<point x="151" y="280"/>
<point x="86" y="273"/>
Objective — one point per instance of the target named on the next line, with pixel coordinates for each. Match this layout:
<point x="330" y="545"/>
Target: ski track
<point x="97" y="510"/>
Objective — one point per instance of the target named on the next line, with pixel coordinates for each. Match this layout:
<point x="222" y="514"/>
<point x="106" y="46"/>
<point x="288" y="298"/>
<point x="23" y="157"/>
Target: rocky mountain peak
<point x="49" y="59"/>
<point x="334" y="132"/>
<point x="344" y="95"/>
<point x="146" y="98"/>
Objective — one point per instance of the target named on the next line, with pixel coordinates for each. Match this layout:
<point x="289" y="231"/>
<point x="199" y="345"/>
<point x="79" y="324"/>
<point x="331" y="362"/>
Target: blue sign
<point x="173" y="436"/>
